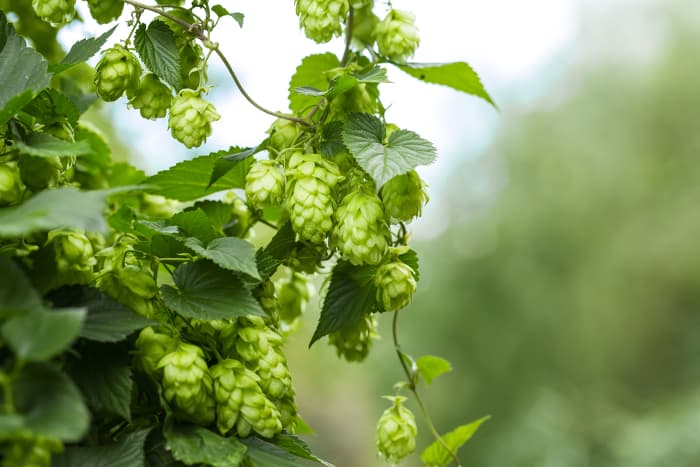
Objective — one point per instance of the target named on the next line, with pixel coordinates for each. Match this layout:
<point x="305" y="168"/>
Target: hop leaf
<point x="191" y="117"/>
<point x="117" y="71"/>
<point x="361" y="233"/>
<point x="152" y="97"/>
<point x="56" y="12"/>
<point x="321" y="20"/>
<point x="396" y="431"/>
<point x="397" y="35"/>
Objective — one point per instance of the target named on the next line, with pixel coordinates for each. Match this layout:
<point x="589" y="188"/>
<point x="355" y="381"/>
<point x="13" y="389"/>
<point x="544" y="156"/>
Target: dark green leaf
<point x="193" y="444"/>
<point x="128" y="451"/>
<point x="167" y="246"/>
<point x="156" y="47"/>
<point x="264" y="454"/>
<point x="430" y="367"/>
<point x="81" y="51"/>
<point x="232" y="253"/>
<point x="219" y="213"/>
<point x="436" y="455"/>
<point x="311" y="73"/>
<point x="14" y="105"/>
<point x="229" y="162"/>
<point x="16" y="292"/>
<point x="295" y="446"/>
<point x="458" y="75"/>
<point x="45" y="145"/>
<point x="51" y="105"/>
<point x="205" y="291"/>
<point x="39" y="335"/>
<point x="332" y="139"/>
<point x="108" y="320"/>
<point x="194" y="224"/>
<point x="279" y="248"/>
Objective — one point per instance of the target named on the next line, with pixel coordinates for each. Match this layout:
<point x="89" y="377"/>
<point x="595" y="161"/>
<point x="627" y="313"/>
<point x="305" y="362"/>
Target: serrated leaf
<point x="269" y="258"/>
<point x="364" y="136"/>
<point x="232" y="253"/>
<point x="459" y="76"/>
<point x="351" y="295"/>
<point x="128" y="451"/>
<point x="219" y="213"/>
<point x="189" y="180"/>
<point x="411" y="259"/>
<point x="436" y="455"/>
<point x="125" y="174"/>
<point x="311" y="73"/>
<point x="226" y="163"/>
<point x="295" y="446"/>
<point x="430" y="367"/>
<point x="16" y="292"/>
<point x="50" y="403"/>
<point x="193" y="444"/>
<point x="108" y="320"/>
<point x="40" y="335"/>
<point x="205" y="291"/>
<point x="264" y="454"/>
<point x="332" y="139"/>
<point x="45" y="145"/>
<point x="51" y="105"/>
<point x="221" y="12"/>
<point x="156" y="47"/>
<point x="194" y="223"/>
<point x="14" y="105"/>
<point x="81" y="51"/>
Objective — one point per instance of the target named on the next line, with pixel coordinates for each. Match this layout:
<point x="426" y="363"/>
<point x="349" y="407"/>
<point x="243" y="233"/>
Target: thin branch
<point x="348" y="36"/>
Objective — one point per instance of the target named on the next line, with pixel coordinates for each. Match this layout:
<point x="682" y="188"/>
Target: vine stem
<point x="414" y="390"/>
<point x="194" y="29"/>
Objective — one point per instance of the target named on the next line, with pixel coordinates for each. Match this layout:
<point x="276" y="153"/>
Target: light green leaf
<point x="436" y="455"/>
<point x="231" y="161"/>
<point x="430" y="367"/>
<point x="221" y="12"/>
<point x="344" y="83"/>
<point x="156" y="47"/>
<point x="45" y="145"/>
<point x="295" y="446"/>
<point x="232" y="253"/>
<point x="128" y="451"/>
<point x="411" y="258"/>
<point x="458" y="75"/>
<point x="364" y="136"/>
<point x="264" y="454"/>
<point x="16" y="292"/>
<point x="39" y="335"/>
<point x="81" y="51"/>
<point x="311" y="73"/>
<point x="205" y="291"/>
<point x="193" y="444"/>
<point x="13" y="426"/>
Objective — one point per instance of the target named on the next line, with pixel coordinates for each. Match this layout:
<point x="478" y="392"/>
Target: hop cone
<point x="240" y="221"/>
<point x="272" y="369"/>
<point x="397" y="35"/>
<point x="31" y="453"/>
<point x="264" y="184"/>
<point x="361" y="98"/>
<point x="282" y="133"/>
<point x="288" y="411"/>
<point x="354" y="342"/>
<point x="187" y="384"/>
<point x="361" y="233"/>
<point x="151" y="347"/>
<point x="116" y="72"/>
<point x="54" y="11"/>
<point x="10" y="185"/>
<point x="396" y="431"/>
<point x="105" y="11"/>
<point x="254" y="339"/>
<point x="190" y="118"/>
<point x="404" y="197"/>
<point x="395" y="283"/>
<point x="152" y="97"/>
<point x="292" y="297"/>
<point x="40" y="173"/>
<point x="321" y="20"/>
<point x="73" y="250"/>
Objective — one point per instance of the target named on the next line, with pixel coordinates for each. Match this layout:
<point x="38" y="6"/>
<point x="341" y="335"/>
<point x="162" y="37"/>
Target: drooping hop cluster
<point x="105" y="11"/>
<point x="397" y="35"/>
<point x="118" y="71"/>
<point x="396" y="431"/>
<point x="361" y="234"/>
<point x="354" y="342"/>
<point x="31" y="453"/>
<point x="395" y="282"/>
<point x="264" y="184"/>
<point x="293" y="296"/>
<point x="54" y="11"/>
<point x="309" y="197"/>
<point x="191" y="118"/>
<point x="10" y="184"/>
<point x="151" y="347"/>
<point x="321" y="20"/>
<point x="404" y="197"/>
<point x="152" y="97"/>
<point x="73" y="250"/>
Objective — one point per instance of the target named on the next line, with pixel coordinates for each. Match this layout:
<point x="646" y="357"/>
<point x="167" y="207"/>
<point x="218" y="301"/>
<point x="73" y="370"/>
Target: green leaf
<point x="226" y="163"/>
<point x="364" y="136"/>
<point x="128" y="451"/>
<point x="219" y="213"/>
<point x="81" y="51"/>
<point x="221" y="12"/>
<point x="125" y="174"/>
<point x="193" y="444"/>
<point x="264" y="454"/>
<point x="16" y="292"/>
<point x="103" y="375"/>
<point x="14" y="105"/>
<point x="51" y="105"/>
<point x="430" y="367"/>
<point x="411" y="258"/>
<point x="45" y="145"/>
<point x="332" y="139"/>
<point x="351" y="294"/>
<point x="50" y="403"/>
<point x="21" y="67"/>
<point x="436" y="455"/>
<point x="194" y="224"/>
<point x="459" y="76"/>
<point x="311" y="73"/>
<point x="156" y="47"/>
<point x="205" y="291"/>
<point x="40" y="335"/>
<point x="279" y="248"/>
<point x="346" y="82"/>
<point x="232" y="253"/>
<point x="189" y="180"/>
<point x="295" y="446"/>
<point x="13" y="426"/>
<point x="108" y="320"/>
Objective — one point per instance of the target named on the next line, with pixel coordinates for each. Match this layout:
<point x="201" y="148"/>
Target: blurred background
<point x="560" y="251"/>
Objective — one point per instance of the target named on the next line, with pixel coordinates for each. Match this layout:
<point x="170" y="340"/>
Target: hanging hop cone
<point x="191" y="118"/>
<point x="73" y="250"/>
<point x="282" y="133"/>
<point x="395" y="282"/>
<point x="361" y="233"/>
<point x="56" y="12"/>
<point x="353" y="342"/>
<point x="264" y="184"/>
<point x="151" y="347"/>
<point x="152" y="98"/>
<point x="10" y="185"/>
<point x="105" y="11"/>
<point x="404" y="197"/>
<point x="292" y="297"/>
<point x="117" y="72"/>
<point x="396" y="431"/>
<point x="321" y="20"/>
<point x="397" y="35"/>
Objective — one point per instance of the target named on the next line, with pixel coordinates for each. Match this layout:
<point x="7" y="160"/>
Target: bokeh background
<point x="560" y="251"/>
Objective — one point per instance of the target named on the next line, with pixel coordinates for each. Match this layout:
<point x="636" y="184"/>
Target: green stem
<point x="348" y="37"/>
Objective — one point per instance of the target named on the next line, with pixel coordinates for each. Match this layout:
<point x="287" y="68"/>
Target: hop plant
<point x="321" y="20"/>
<point x="361" y="233"/>
<point x="10" y="184"/>
<point x="396" y="431"/>
<point x="354" y="342"/>
<point x="397" y="35"/>
<point x="73" y="250"/>
<point x="151" y="347"/>
<point x="31" y="452"/>
<point x="404" y="197"/>
<point x="152" y="97"/>
<point x="264" y="184"/>
<point x="54" y="11"/>
<point x="105" y="11"/>
<point x="292" y="297"/>
<point x="395" y="282"/>
<point x="191" y="118"/>
<point x="117" y="72"/>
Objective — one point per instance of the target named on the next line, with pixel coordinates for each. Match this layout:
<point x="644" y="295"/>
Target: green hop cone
<point x="397" y="35"/>
<point x="151" y="347"/>
<point x="395" y="282"/>
<point x="117" y="71"/>
<point x="264" y="184"/>
<point x="292" y="297"/>
<point x="40" y="173"/>
<point x="187" y="384"/>
<point x="73" y="250"/>
<point x="105" y="11"/>
<point x="275" y="380"/>
<point x="191" y="117"/>
<point x="152" y="97"/>
<point x="56" y="12"/>
<point x="240" y="215"/>
<point x="253" y="339"/>
<point x="404" y="197"/>
<point x="353" y="342"/>
<point x="193" y="68"/>
<point x="282" y="133"/>
<point x="288" y="411"/>
<point x="31" y="452"/>
<point x="361" y="233"/>
<point x="364" y="30"/>
<point x="321" y="20"/>
<point x="361" y="98"/>
<point x="10" y="184"/>
<point x="396" y="431"/>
